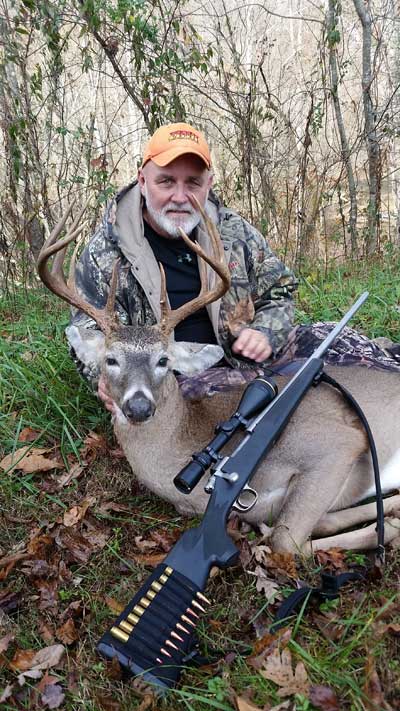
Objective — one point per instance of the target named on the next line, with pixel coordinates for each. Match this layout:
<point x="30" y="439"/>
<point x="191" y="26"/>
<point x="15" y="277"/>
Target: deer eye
<point x="111" y="361"/>
<point x="163" y="362"/>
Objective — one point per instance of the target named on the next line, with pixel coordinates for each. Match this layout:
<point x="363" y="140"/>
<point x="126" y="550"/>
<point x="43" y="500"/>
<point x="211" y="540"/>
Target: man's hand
<point x="252" y="344"/>
<point x="105" y="396"/>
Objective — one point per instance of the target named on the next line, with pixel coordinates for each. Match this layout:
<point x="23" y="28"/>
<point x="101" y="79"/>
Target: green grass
<point x="39" y="388"/>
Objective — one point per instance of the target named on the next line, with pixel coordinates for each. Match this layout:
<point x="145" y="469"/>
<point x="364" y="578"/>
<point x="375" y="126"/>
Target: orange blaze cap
<point x="176" y="139"/>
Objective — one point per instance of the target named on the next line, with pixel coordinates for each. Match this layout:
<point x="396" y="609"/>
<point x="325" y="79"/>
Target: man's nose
<point x="180" y="195"/>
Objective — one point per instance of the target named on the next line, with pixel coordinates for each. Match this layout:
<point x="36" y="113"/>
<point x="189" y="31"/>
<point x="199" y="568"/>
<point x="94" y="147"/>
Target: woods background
<point x="299" y="100"/>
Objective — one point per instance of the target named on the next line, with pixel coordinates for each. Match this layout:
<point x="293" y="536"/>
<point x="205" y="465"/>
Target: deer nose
<point x="138" y="408"/>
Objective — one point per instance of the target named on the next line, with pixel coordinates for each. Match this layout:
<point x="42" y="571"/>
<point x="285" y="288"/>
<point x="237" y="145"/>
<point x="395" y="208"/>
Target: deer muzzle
<point x="138" y="408"/>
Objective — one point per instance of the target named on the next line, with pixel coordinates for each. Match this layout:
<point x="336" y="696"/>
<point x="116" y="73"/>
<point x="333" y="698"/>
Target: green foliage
<point x="325" y="295"/>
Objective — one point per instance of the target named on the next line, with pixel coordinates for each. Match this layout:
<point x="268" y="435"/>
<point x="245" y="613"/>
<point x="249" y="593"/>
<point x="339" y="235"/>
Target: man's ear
<point x="190" y="358"/>
<point x="87" y="343"/>
<point x="141" y="180"/>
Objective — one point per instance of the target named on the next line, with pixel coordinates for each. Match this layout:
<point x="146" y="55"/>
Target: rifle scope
<point x="257" y="395"/>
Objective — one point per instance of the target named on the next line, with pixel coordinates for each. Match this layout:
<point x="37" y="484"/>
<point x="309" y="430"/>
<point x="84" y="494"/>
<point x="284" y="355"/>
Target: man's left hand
<point x="252" y="344"/>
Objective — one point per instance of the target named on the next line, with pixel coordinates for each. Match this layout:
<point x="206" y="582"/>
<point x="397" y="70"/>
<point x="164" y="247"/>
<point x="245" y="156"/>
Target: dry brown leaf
<point x="329" y="626"/>
<point x="113" y="506"/>
<point x="375" y="700"/>
<point x="78" y="547"/>
<point x="265" y="584"/>
<point x="28" y="434"/>
<point x="42" y="659"/>
<point x="144" y="546"/>
<point x="278" y="668"/>
<point x="267" y="644"/>
<point x="282" y="562"/>
<point x="6" y="641"/>
<point x="323" y="698"/>
<point x="382" y="628"/>
<point x="106" y="703"/>
<point x="30" y="460"/>
<point x="151" y="559"/>
<point x="243" y="704"/>
<point x="114" y="605"/>
<point x="332" y="559"/>
<point x="46" y="632"/>
<point x="77" y="513"/>
<point x="6" y="693"/>
<point x="74" y="473"/>
<point x="67" y="633"/>
<point x="53" y="696"/>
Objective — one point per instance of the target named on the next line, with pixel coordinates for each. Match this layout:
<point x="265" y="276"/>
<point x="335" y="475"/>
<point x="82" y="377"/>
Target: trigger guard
<point x="238" y="506"/>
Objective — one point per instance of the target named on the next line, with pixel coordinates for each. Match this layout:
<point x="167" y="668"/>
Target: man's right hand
<point x="105" y="396"/>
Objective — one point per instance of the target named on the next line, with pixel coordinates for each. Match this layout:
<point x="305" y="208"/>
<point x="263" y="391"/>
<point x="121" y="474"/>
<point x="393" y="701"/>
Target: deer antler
<point x="55" y="280"/>
<point x="169" y="317"/>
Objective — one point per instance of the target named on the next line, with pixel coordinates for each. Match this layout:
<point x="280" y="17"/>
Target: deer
<point x="318" y="470"/>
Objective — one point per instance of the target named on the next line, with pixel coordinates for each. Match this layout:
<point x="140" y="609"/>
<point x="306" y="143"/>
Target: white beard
<point x="160" y="218"/>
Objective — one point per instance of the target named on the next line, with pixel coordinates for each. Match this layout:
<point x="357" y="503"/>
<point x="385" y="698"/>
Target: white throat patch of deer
<point x="319" y="468"/>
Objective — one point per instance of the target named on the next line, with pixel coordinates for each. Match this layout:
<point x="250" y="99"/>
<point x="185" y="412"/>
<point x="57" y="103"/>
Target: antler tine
<point x="170" y="318"/>
<point x="54" y="278"/>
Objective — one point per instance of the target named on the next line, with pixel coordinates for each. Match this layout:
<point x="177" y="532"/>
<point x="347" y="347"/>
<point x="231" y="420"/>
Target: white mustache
<point x="186" y="210"/>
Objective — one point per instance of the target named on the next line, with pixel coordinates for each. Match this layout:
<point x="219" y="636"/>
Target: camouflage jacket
<point x="260" y="292"/>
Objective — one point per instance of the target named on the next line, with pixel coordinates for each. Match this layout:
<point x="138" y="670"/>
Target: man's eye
<point x="111" y="361"/>
<point x="163" y="362"/>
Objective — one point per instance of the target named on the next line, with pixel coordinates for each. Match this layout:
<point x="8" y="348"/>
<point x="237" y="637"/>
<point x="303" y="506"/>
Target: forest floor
<point x="78" y="536"/>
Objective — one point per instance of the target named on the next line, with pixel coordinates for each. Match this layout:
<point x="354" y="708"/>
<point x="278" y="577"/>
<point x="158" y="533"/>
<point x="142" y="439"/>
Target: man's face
<point x="166" y="191"/>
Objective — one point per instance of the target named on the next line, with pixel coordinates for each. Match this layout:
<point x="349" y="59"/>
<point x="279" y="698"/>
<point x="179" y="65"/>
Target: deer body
<point x="319" y="468"/>
<point x="320" y="464"/>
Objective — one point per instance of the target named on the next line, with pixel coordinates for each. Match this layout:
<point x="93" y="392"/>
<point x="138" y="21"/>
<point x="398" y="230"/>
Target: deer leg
<point x="313" y="492"/>
<point x="362" y="539"/>
<point x="336" y="521"/>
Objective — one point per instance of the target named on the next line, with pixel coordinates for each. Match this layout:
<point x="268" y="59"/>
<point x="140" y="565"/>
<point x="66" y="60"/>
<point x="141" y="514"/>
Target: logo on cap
<point x="176" y="135"/>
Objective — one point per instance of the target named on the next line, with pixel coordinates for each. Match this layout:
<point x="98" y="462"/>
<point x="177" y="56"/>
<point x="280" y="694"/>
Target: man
<point x="141" y="228"/>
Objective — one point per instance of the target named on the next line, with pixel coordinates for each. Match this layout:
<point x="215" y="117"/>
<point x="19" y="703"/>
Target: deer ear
<point x="190" y="358"/>
<point x="87" y="343"/>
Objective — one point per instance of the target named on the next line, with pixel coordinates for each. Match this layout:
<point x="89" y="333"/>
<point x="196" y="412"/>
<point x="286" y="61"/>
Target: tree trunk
<point x="345" y="149"/>
<point x="363" y="10"/>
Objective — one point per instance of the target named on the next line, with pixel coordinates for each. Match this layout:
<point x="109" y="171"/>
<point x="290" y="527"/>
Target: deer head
<point x="137" y="362"/>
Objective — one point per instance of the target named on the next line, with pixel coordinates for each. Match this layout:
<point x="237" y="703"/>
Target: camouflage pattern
<point x="261" y="291"/>
<point x="350" y="348"/>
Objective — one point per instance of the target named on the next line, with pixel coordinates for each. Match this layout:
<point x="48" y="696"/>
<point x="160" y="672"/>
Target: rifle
<point x="154" y="635"/>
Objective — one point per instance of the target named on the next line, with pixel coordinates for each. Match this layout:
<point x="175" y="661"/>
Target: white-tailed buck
<point x="319" y="468"/>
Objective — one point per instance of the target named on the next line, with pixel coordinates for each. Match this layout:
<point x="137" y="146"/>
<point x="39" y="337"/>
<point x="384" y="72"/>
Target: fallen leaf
<point x="114" y="605"/>
<point x="6" y="641"/>
<point x="144" y="546"/>
<point x="243" y="704"/>
<point x="265" y="584"/>
<point x="78" y="547"/>
<point x="29" y="674"/>
<point x="67" y="633"/>
<point x="77" y="513"/>
<point x="42" y="659"/>
<point x="382" y="628"/>
<point x="53" y="696"/>
<point x="282" y="562"/>
<point x="152" y="560"/>
<point x="113" y="506"/>
<point x="10" y="601"/>
<point x="106" y="703"/>
<point x="268" y="644"/>
<point x="74" y="473"/>
<point x="278" y="668"/>
<point x="28" y="434"/>
<point x="30" y="460"/>
<point x="324" y="698"/>
<point x="6" y="693"/>
<point x="375" y="700"/>
<point x="332" y="559"/>
<point x="329" y="626"/>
